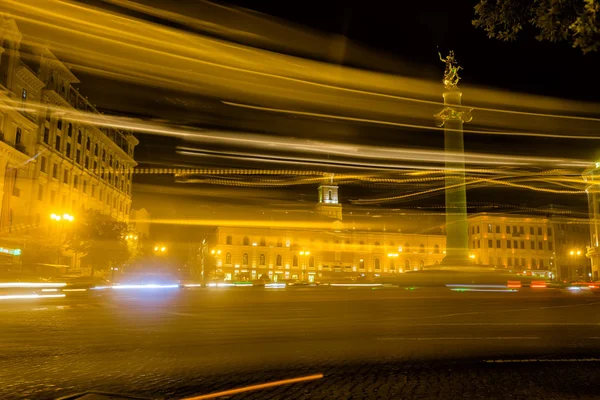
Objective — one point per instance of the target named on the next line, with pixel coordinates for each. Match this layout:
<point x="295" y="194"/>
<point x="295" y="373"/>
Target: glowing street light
<point x="64" y="217"/>
<point x="472" y="256"/>
<point x="160" y="248"/>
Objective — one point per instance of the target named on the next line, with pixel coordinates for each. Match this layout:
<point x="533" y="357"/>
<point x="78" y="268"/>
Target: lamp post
<point x="62" y="220"/>
<point x="215" y="253"/>
<point x="575" y="254"/>
<point x="393" y="257"/>
<point x="304" y="254"/>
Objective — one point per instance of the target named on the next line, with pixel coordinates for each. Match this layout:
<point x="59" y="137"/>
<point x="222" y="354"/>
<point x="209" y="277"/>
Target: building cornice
<point x="29" y="77"/>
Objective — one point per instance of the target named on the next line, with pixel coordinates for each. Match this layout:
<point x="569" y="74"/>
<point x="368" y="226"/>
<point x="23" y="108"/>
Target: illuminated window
<point x="295" y="261"/>
<point x="245" y="259"/>
<point x="311" y="262"/>
<point x="246" y="241"/>
<point x="377" y="266"/>
<point x="228" y="258"/>
<point x="422" y="248"/>
<point x="228" y="240"/>
<point x="279" y="260"/>
<point x="436" y="249"/>
<point x="489" y="228"/>
<point x="361" y="264"/>
<point x="262" y="259"/>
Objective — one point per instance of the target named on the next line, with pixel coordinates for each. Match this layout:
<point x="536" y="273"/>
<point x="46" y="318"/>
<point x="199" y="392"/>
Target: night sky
<point x="407" y="31"/>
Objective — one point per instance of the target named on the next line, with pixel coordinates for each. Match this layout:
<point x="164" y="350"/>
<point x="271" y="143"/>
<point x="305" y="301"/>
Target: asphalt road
<point x="368" y="343"/>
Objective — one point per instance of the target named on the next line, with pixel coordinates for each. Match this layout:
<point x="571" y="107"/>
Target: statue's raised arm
<point x="451" y="77"/>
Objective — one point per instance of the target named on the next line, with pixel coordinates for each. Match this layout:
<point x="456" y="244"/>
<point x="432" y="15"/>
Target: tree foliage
<point x="100" y="238"/>
<point x="574" y="21"/>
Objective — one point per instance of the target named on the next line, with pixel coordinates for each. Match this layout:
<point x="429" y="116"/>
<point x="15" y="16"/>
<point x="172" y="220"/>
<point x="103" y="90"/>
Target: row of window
<point x="102" y="195"/>
<point x="522" y="262"/>
<point x="519" y="230"/>
<point x="85" y="161"/>
<point x="311" y="262"/>
<point x="514" y="244"/>
<point x="113" y="179"/>
<point x="263" y="243"/>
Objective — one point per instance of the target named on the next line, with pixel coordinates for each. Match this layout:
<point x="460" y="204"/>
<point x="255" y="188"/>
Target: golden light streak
<point x="256" y="387"/>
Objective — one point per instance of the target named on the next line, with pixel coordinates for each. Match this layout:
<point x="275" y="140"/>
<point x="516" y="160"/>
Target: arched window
<point x="262" y="259"/>
<point x="392" y="265"/>
<point x="422" y="248"/>
<point x="96" y="149"/>
<point x="70" y="130"/>
<point x="279" y="260"/>
<point x="407" y="265"/>
<point x="361" y="264"/>
<point x="228" y="258"/>
<point x="436" y="249"/>
<point x="263" y="242"/>
<point x="311" y="262"/>
<point x="245" y="259"/>
<point x="103" y="155"/>
<point x="295" y="261"/>
<point x="407" y="247"/>
<point x="347" y="242"/>
<point x="376" y="243"/>
<point x="110" y="160"/>
<point x="79" y="137"/>
<point x="337" y="242"/>
<point x="377" y="266"/>
<point x="229" y="240"/>
<point x="88" y="143"/>
<point x="362" y="243"/>
<point x="246" y="241"/>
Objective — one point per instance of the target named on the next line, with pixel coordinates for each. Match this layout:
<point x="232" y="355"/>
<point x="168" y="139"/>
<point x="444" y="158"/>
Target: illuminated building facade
<point x="529" y="243"/>
<point x="592" y="177"/>
<point x="50" y="164"/>
<point x="324" y="243"/>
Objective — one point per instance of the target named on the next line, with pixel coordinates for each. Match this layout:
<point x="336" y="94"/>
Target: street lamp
<point x="576" y="254"/>
<point x="62" y="219"/>
<point x="304" y="254"/>
<point x="160" y="249"/>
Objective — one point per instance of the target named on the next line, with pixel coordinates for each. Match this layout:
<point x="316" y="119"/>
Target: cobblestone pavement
<point x="368" y="344"/>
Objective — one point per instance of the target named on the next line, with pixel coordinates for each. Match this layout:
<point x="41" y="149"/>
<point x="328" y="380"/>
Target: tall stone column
<point x="452" y="118"/>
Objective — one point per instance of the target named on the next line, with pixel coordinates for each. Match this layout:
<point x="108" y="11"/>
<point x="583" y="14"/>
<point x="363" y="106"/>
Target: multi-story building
<point x="326" y="243"/>
<point x="592" y="176"/>
<point x="51" y="163"/>
<point x="536" y="244"/>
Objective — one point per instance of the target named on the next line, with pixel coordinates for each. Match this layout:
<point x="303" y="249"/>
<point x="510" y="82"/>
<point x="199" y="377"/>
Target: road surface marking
<point x="463" y="338"/>
<point x="505" y="311"/>
<point x="545" y="360"/>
